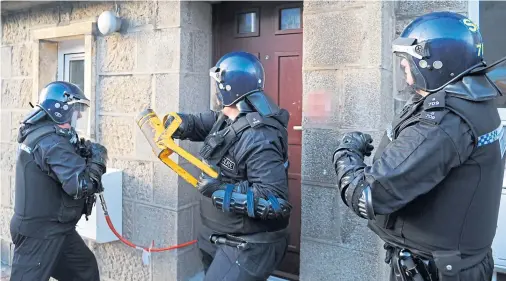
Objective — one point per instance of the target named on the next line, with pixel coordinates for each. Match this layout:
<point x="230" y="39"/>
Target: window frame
<point x="67" y="58"/>
<point x="473" y="12"/>
<point x="67" y="51"/>
<point x="277" y="19"/>
<point x="255" y="10"/>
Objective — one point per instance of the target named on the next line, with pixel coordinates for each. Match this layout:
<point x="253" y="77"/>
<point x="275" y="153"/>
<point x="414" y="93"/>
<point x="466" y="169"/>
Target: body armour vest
<point x="42" y="208"/>
<point x="460" y="213"/>
<point x="217" y="151"/>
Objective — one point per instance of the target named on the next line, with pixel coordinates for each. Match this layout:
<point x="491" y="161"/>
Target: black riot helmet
<point x="63" y="102"/>
<point x="438" y="47"/>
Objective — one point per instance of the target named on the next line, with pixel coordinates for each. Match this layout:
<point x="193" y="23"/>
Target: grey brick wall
<point x="346" y="56"/>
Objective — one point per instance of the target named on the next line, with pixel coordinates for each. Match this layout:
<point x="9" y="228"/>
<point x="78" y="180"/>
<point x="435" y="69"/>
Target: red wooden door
<point x="273" y="32"/>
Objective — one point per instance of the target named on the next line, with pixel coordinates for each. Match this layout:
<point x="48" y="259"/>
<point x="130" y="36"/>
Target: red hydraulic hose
<point x="128" y="243"/>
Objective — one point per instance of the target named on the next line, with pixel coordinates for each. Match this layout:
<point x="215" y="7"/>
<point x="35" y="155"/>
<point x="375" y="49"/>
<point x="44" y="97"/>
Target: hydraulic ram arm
<point x="163" y="145"/>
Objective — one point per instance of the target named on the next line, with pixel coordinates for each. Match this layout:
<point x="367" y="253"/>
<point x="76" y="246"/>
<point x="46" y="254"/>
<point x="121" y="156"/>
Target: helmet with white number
<point x="437" y="47"/>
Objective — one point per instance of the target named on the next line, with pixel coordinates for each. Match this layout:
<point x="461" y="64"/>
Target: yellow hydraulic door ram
<point x="163" y="145"/>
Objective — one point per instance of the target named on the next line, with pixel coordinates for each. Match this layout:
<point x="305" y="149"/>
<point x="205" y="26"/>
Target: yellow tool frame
<point x="163" y="145"/>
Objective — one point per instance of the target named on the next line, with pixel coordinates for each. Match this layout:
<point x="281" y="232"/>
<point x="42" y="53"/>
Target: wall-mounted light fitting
<point x="108" y="23"/>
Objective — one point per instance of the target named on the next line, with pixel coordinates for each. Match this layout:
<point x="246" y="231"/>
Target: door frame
<point x="216" y="51"/>
<point x="473" y="12"/>
<point x="474" y="15"/>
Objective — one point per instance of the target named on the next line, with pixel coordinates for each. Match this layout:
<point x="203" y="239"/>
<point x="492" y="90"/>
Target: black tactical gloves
<point x="183" y="128"/>
<point x="208" y="185"/>
<point x="356" y="142"/>
<point x="97" y="163"/>
<point x="83" y="148"/>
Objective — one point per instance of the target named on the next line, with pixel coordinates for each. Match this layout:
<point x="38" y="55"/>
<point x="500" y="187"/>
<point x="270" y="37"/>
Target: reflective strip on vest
<point x="25" y="148"/>
<point x="491" y="137"/>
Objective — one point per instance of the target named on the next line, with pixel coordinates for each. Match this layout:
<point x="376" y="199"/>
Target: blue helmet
<point x="237" y="74"/>
<point x="63" y="102"/>
<point x="438" y="47"/>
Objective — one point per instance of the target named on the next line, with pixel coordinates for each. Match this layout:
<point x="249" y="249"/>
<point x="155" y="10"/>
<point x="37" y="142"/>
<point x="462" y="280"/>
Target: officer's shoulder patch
<point x="254" y="119"/>
<point x="436" y="101"/>
<point x="433" y="117"/>
<point x="227" y="163"/>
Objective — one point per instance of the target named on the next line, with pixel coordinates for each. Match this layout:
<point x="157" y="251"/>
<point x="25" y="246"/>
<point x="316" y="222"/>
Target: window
<point x="71" y="69"/>
<point x="288" y="19"/>
<point x="247" y="23"/>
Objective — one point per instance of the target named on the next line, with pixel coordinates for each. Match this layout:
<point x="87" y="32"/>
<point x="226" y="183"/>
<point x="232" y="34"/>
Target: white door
<point x="71" y="69"/>
<point x="489" y="15"/>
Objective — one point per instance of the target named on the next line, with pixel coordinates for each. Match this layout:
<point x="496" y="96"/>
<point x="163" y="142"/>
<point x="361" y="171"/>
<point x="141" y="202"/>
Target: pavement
<point x="5" y="272"/>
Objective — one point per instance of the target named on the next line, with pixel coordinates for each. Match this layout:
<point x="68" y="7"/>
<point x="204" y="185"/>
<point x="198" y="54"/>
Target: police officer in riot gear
<point x="432" y="192"/>
<point x="57" y="176"/>
<point x="245" y="212"/>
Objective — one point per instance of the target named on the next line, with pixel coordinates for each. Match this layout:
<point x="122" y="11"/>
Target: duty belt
<point x="243" y="242"/>
<point x="410" y="265"/>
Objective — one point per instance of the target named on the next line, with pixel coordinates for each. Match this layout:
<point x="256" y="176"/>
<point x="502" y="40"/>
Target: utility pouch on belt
<point x="449" y="265"/>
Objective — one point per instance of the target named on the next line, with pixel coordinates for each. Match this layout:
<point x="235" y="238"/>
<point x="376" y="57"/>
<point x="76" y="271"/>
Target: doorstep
<point x="200" y="276"/>
<point x="5" y="272"/>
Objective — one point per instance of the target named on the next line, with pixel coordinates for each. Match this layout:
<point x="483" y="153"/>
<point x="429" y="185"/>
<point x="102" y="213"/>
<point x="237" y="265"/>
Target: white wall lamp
<point x="108" y="23"/>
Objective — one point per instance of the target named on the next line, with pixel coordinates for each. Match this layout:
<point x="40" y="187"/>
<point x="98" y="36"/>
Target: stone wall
<point x="347" y="62"/>
<point x="160" y="59"/>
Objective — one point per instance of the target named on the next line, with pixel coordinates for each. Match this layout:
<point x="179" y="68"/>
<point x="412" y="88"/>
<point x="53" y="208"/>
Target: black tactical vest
<point x="461" y="212"/>
<point x="42" y="208"/>
<point x="216" y="151"/>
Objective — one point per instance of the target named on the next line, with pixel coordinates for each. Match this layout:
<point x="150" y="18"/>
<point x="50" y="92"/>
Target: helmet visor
<point x="408" y="51"/>
<point x="409" y="77"/>
<point x="79" y="111"/>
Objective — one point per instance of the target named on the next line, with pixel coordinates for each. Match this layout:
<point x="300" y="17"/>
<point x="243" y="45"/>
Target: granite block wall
<point x="347" y="63"/>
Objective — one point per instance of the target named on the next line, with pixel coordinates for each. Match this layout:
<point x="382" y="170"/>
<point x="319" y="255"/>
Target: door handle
<point x="297" y="128"/>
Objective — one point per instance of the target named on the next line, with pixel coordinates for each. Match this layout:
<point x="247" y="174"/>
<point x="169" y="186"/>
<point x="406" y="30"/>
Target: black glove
<point x="356" y="142"/>
<point x="97" y="163"/>
<point x="83" y="148"/>
<point x="183" y="127"/>
<point x="208" y="185"/>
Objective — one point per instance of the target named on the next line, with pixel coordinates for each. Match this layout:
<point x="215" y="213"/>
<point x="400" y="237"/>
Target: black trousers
<point x="226" y="263"/>
<point x="483" y="271"/>
<point x="65" y="258"/>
